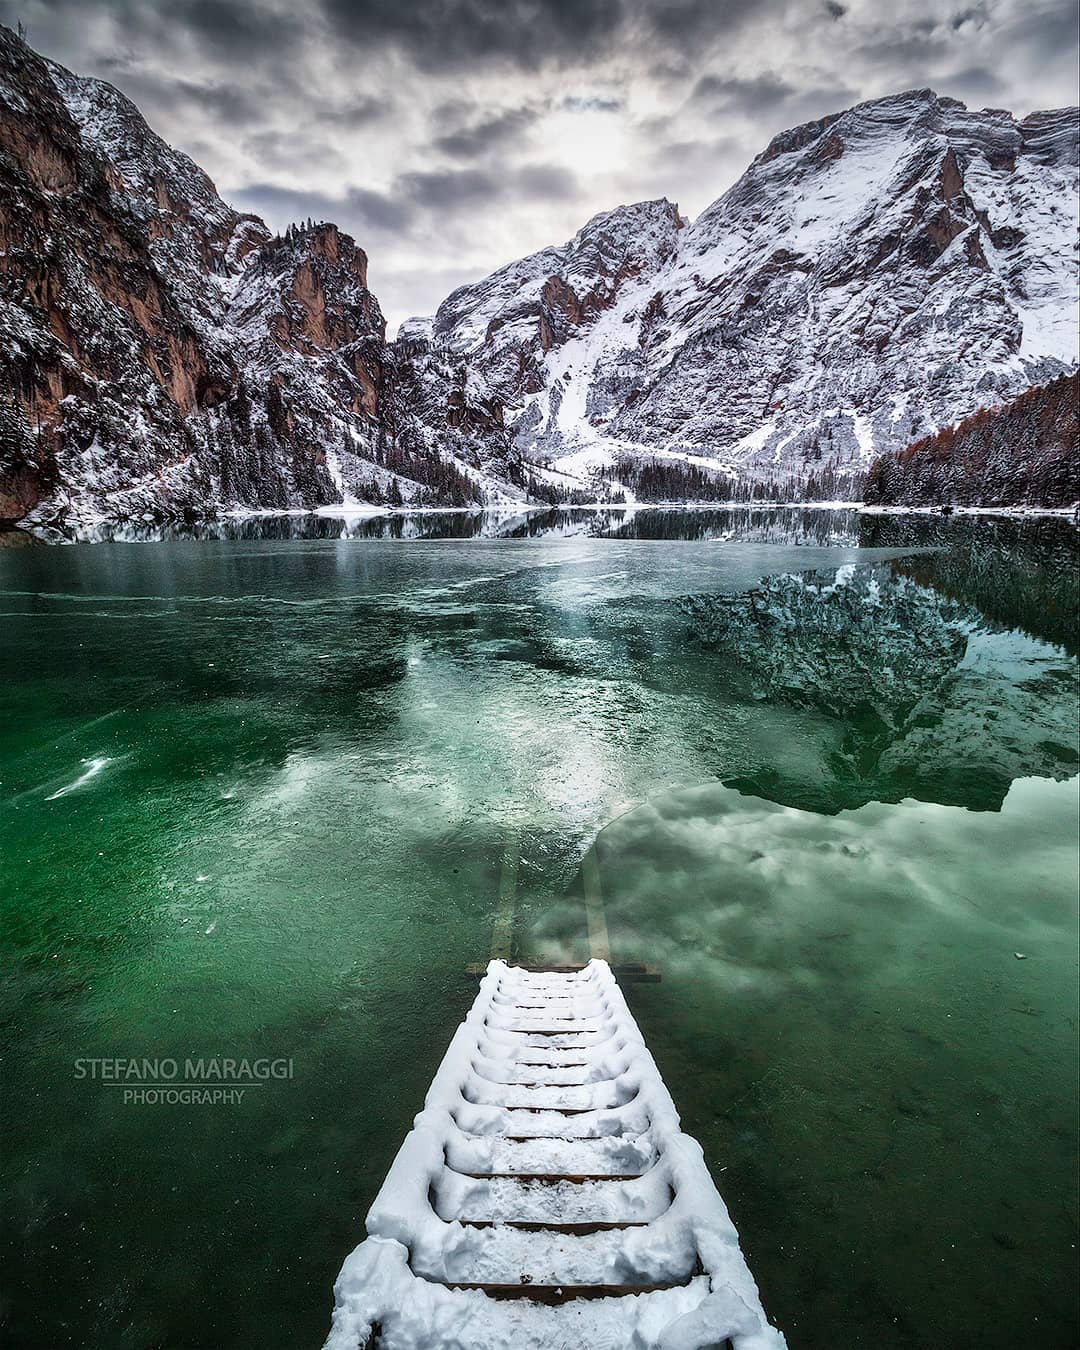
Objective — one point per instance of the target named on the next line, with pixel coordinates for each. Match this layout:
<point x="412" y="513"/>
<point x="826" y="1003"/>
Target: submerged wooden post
<point x="599" y="946"/>
<point x="502" y="935"/>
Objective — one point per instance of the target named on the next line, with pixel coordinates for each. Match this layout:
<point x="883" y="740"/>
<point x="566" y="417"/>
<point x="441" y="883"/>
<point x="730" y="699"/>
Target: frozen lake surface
<point x="255" y="798"/>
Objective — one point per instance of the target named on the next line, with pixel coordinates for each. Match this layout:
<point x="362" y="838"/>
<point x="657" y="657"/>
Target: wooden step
<point x="578" y="1227"/>
<point x="551" y="1178"/>
<point x="555" y="1294"/>
<point x="569" y="1235"/>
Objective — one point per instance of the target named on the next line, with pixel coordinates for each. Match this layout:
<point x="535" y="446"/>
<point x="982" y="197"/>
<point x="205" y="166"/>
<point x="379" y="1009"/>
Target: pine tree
<point x="16" y="442"/>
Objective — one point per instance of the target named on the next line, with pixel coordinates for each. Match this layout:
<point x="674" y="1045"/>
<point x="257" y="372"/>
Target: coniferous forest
<point x="1023" y="453"/>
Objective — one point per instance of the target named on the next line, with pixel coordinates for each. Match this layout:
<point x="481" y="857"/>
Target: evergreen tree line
<point x="1023" y="453"/>
<point x="16" y="441"/>
<point x="252" y="443"/>
<point x="668" y="480"/>
<point x="677" y="481"/>
<point x="441" y="481"/>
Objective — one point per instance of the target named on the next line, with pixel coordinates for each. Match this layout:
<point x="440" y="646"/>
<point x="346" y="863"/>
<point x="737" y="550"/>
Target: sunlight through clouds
<point x="450" y="139"/>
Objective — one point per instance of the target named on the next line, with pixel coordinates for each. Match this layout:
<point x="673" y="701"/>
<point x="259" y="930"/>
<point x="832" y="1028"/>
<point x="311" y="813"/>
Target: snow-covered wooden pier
<point x="546" y="1196"/>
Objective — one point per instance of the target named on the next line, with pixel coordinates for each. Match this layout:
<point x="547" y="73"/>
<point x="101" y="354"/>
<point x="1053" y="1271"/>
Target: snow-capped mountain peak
<point x="872" y="275"/>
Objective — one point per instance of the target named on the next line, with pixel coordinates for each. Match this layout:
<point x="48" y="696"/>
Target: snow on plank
<point x="498" y="1227"/>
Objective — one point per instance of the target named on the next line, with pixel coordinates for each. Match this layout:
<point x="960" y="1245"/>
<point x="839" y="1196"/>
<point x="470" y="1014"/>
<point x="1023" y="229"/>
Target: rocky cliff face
<point x="163" y="356"/>
<point x="872" y="276"/>
<point x="94" y="337"/>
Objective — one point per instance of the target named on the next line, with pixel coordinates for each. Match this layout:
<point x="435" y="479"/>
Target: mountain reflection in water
<point x="928" y="699"/>
<point x="885" y="1092"/>
<point x="258" y="790"/>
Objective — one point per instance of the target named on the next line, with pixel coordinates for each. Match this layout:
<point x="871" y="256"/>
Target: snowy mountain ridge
<point x="165" y="357"/>
<point x="873" y="276"/>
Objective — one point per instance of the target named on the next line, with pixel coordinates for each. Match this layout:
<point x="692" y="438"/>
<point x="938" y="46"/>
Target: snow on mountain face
<point x="191" y="231"/>
<point x="512" y="332"/>
<point x="872" y="276"/>
<point x="561" y="287"/>
<point x="163" y="356"/>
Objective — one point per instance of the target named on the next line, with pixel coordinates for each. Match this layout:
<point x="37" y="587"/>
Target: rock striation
<point x="873" y="277"/>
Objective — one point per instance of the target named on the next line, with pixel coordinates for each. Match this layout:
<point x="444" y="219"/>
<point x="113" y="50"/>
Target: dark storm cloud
<point x="668" y="71"/>
<point x="1056" y="32"/>
<point x="232" y="103"/>
<point x="546" y="180"/>
<point x="696" y="153"/>
<point x="458" y="134"/>
<point x="749" y="95"/>
<point x="235" y="28"/>
<point x="689" y="26"/>
<point x="357" y="210"/>
<point x="244" y="30"/>
<point x="485" y="135"/>
<point x="283" y="150"/>
<point x="476" y="137"/>
<point x="413" y="196"/>
<point x="593" y="103"/>
<point x="451" y="189"/>
<point x="976" y="82"/>
<point x="447" y="35"/>
<point x="356" y="111"/>
<point x="530" y="34"/>
<point x="976" y="15"/>
<point x="442" y="188"/>
<point x="767" y="96"/>
<point x="521" y="33"/>
<point x="916" y="51"/>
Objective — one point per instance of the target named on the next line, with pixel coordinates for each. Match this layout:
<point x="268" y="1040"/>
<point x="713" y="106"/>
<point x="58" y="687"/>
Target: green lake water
<point x="257" y="791"/>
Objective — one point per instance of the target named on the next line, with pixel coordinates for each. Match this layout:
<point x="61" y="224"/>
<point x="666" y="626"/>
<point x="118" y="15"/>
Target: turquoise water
<point x="256" y="797"/>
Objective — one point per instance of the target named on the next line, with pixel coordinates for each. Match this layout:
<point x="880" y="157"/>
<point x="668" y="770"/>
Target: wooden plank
<point x="575" y="1228"/>
<point x="502" y="935"/>
<point x="630" y="972"/>
<point x="555" y="1294"/>
<point x="532" y="1087"/>
<point x="599" y="945"/>
<point x="551" y="1064"/>
<point x="566" y="1029"/>
<point x="552" y="1178"/>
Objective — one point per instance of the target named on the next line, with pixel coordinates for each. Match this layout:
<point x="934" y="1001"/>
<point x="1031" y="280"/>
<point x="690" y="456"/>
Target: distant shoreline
<point x="507" y="509"/>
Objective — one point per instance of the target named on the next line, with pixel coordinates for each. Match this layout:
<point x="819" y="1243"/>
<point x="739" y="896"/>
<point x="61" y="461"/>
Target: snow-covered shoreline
<point x="358" y="511"/>
<point x="526" y="508"/>
<point x="1016" y="512"/>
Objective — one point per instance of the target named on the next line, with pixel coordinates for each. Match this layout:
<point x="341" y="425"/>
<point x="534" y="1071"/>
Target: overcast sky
<point x="455" y="135"/>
